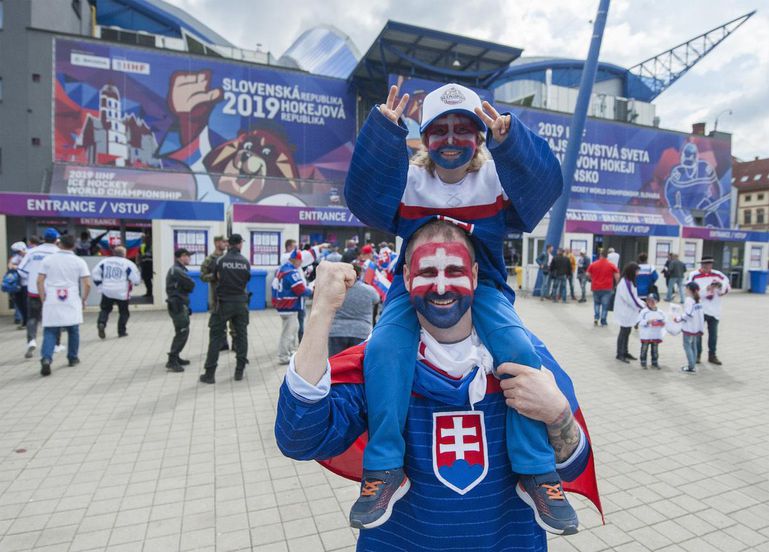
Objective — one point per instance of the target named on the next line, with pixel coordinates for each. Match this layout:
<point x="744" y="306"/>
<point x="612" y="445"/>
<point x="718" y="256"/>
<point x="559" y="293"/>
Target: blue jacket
<point x="646" y="277"/>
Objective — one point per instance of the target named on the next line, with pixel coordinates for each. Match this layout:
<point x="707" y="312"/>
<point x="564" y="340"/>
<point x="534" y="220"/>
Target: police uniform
<point x="179" y="285"/>
<point x="232" y="273"/>
<point x="208" y="276"/>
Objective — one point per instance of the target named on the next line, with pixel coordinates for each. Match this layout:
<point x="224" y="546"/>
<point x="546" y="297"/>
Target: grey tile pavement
<point x="116" y="454"/>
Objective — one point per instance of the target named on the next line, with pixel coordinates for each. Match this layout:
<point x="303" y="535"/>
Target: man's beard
<point x="449" y="310"/>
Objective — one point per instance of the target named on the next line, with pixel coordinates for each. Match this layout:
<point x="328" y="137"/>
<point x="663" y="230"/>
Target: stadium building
<point x="133" y="120"/>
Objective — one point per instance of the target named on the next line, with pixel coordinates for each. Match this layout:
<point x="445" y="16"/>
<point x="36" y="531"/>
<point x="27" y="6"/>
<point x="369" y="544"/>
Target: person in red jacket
<point x="603" y="276"/>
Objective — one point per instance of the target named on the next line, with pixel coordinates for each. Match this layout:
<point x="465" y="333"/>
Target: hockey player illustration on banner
<point x="693" y="184"/>
<point x="255" y="166"/>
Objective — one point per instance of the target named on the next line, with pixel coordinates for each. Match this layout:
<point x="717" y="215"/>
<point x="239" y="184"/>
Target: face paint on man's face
<point x="451" y="140"/>
<point x="441" y="282"/>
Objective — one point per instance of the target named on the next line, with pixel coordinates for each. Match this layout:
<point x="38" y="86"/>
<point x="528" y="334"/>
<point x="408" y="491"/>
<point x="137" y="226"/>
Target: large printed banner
<point x="633" y="174"/>
<point x="44" y="205"/>
<point x="225" y="132"/>
<point x="626" y="174"/>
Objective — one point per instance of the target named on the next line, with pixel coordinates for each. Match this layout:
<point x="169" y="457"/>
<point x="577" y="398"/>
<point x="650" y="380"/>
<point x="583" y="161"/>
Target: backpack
<point x="12" y="282"/>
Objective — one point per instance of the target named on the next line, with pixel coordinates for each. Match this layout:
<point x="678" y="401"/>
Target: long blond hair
<point x="422" y="157"/>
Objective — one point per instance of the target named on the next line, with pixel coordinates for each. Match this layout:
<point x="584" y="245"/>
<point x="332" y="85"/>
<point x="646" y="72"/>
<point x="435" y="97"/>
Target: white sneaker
<point x="31" y="346"/>
<point x="58" y="349"/>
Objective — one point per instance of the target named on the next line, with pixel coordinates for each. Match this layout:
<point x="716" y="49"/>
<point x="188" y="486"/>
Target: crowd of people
<point x="631" y="292"/>
<point x="294" y="281"/>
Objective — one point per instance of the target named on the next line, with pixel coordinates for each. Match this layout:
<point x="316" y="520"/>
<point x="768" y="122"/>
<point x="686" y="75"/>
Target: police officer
<point x="179" y="285"/>
<point x="207" y="275"/>
<point x="232" y="273"/>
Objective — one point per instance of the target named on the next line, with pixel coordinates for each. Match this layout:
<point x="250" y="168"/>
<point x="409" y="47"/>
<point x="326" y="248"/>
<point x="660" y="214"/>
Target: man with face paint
<point x="451" y="177"/>
<point x="460" y="454"/>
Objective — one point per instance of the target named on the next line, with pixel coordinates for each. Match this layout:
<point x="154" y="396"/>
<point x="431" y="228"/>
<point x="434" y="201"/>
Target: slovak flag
<point x="376" y="279"/>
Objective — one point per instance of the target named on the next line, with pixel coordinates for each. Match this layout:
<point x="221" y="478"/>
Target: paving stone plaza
<point x="117" y="454"/>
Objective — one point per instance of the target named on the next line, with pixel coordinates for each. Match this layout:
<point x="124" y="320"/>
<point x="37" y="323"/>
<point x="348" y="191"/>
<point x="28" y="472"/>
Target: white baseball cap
<point x="18" y="246"/>
<point x="451" y="98"/>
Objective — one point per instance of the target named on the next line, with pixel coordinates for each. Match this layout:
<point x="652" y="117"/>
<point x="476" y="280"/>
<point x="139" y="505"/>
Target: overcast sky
<point x="733" y="76"/>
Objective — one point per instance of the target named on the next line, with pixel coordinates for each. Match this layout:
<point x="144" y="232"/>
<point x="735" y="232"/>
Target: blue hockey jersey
<point x="289" y="289"/>
<point x="463" y="489"/>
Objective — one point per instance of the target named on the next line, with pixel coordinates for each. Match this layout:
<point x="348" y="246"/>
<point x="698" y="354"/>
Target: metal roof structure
<point x="568" y="72"/>
<point x="322" y="50"/>
<point x="659" y="72"/>
<point x="644" y="81"/>
<point x="156" y="17"/>
<point x="426" y="53"/>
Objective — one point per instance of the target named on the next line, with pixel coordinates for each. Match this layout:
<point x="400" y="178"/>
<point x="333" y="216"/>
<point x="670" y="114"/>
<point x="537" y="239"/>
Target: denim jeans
<point x="690" y="348"/>
<point x="559" y="286"/>
<point x="582" y="285"/>
<point x="712" y="323"/>
<point x="601" y="298"/>
<point x="544" y="291"/>
<point x="51" y="336"/>
<point x="672" y="285"/>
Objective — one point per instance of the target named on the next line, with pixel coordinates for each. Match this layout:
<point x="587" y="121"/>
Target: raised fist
<point x="331" y="285"/>
<point x="190" y="90"/>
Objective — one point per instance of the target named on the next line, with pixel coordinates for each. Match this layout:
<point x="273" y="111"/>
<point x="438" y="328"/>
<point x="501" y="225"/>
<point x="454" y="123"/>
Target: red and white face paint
<point x="451" y="140"/>
<point x="441" y="282"/>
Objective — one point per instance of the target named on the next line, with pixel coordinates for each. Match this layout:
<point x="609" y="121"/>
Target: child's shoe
<point x="544" y="494"/>
<point x="655" y="366"/>
<point x="379" y="491"/>
<point x="643" y="365"/>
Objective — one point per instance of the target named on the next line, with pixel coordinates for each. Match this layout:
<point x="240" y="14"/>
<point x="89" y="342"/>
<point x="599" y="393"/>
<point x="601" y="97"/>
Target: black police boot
<point x="239" y="369"/>
<point x="183" y="361"/>
<point x="207" y="377"/>
<point x="173" y="364"/>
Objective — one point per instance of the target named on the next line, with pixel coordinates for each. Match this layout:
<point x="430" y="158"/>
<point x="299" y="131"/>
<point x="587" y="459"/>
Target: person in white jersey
<point x="115" y="277"/>
<point x="713" y="285"/>
<point x="58" y="285"/>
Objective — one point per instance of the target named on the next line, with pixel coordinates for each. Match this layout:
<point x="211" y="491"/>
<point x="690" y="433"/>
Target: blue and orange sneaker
<point x="544" y="494"/>
<point x="379" y="491"/>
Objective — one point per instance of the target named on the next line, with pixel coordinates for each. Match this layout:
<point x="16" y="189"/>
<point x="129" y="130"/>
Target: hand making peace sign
<point x="499" y="124"/>
<point x="390" y="109"/>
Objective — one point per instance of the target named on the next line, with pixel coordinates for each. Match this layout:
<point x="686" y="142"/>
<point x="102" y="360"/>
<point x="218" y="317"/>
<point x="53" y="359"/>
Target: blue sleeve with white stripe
<point x="529" y="172"/>
<point x="322" y="429"/>
<point x="378" y="172"/>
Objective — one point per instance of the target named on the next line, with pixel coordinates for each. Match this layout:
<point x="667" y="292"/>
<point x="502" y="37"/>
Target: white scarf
<point x="458" y="359"/>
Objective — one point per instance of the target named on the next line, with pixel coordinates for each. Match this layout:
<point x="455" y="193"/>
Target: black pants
<point x="339" y="344"/>
<point x="712" y="323"/>
<point x="106" y="308"/>
<point x="20" y="301"/>
<point x="34" y="316"/>
<point x="645" y="348"/>
<point x="180" y="315"/>
<point x="300" y="316"/>
<point x="622" y="340"/>
<point x="237" y="315"/>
